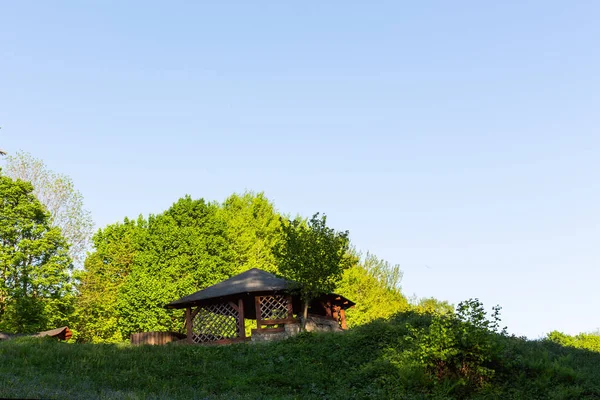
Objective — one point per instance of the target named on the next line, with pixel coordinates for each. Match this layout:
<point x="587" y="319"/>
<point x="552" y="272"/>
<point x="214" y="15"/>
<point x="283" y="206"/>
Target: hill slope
<point x="401" y="358"/>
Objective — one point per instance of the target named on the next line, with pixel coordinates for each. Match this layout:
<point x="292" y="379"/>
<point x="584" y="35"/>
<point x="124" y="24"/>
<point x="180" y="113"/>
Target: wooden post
<point x="258" y="316"/>
<point x="290" y="307"/>
<point x="188" y="324"/>
<point x="241" y="326"/>
<point x="343" y="315"/>
<point x="327" y="307"/>
<point x="335" y="312"/>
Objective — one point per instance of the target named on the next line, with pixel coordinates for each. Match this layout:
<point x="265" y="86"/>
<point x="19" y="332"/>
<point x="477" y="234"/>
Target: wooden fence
<point x="155" y="337"/>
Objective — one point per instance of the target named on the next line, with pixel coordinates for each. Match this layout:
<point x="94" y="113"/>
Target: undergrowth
<point x="409" y="356"/>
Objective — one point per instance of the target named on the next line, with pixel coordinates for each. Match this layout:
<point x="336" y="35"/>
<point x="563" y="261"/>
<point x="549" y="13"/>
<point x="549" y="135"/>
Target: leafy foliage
<point x="138" y="266"/>
<point x="97" y="317"/>
<point x="588" y="341"/>
<point x="461" y="346"/>
<point x="433" y="306"/>
<point x="375" y="288"/>
<point x="313" y="255"/>
<point x="389" y="276"/>
<point x="252" y="230"/>
<point x="183" y="249"/>
<point x="35" y="288"/>
<point x="378" y="360"/>
<point x="58" y="194"/>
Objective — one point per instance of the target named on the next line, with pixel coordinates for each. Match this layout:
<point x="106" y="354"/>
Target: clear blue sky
<point x="460" y="140"/>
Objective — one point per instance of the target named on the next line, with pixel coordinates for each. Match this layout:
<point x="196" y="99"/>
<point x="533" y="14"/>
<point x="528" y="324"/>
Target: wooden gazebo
<point x="217" y="314"/>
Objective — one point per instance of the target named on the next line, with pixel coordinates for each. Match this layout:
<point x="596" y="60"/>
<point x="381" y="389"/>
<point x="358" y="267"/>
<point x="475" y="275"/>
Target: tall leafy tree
<point x="253" y="230"/>
<point x="390" y="276"/>
<point x="430" y="305"/>
<point x="35" y="288"/>
<point x="138" y="266"/>
<point x="105" y="271"/>
<point x="313" y="255"/>
<point x="58" y="194"/>
<point x="374" y="285"/>
<point x="183" y="250"/>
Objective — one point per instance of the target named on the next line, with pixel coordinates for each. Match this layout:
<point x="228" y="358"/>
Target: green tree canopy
<point x="374" y="285"/>
<point x="58" y="194"/>
<point x="35" y="289"/>
<point x="253" y="230"/>
<point x="182" y="250"/>
<point x="314" y="255"/>
<point x="137" y="267"/>
<point x="105" y="271"/>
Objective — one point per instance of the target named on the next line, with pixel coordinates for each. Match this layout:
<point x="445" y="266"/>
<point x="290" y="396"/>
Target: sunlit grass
<point x="373" y="361"/>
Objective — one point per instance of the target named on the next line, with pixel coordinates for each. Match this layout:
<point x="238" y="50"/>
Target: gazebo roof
<point x="253" y="280"/>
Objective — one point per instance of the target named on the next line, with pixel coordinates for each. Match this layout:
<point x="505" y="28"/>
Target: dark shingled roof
<point x="253" y="280"/>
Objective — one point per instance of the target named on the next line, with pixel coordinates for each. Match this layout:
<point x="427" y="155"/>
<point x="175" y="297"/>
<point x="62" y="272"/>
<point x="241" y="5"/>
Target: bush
<point x="461" y="348"/>
<point x="588" y="341"/>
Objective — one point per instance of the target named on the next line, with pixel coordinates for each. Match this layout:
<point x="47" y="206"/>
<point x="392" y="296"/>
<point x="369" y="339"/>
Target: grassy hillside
<point x="405" y="357"/>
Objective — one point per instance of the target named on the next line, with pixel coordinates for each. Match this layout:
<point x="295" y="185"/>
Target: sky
<point x="460" y="140"/>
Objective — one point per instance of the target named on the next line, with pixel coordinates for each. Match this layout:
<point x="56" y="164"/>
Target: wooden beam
<point x="269" y="330"/>
<point x="278" y="321"/>
<point x="188" y="324"/>
<point x="327" y="307"/>
<point x="241" y="326"/>
<point x="343" y="317"/>
<point x="234" y="306"/>
<point x="196" y="311"/>
<point x="258" y="316"/>
<point x="335" y="312"/>
<point x="290" y="307"/>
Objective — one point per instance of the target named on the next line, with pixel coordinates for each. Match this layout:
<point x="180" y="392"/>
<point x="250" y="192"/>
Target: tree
<point x="58" y="194"/>
<point x="431" y="305"/>
<point x="253" y="230"/>
<point x="105" y="271"/>
<point x="35" y="288"/>
<point x="388" y="275"/>
<point x="314" y="256"/>
<point x="183" y="250"/>
<point x="374" y="285"/>
<point x="462" y="345"/>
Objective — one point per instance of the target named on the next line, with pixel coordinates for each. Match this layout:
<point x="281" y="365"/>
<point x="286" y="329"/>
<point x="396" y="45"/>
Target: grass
<point x="375" y="361"/>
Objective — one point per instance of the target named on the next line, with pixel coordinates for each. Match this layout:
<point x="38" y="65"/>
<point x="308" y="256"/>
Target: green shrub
<point x="459" y="348"/>
<point x="588" y="341"/>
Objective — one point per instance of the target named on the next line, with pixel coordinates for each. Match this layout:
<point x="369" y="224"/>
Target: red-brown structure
<point x="62" y="333"/>
<point x="218" y="313"/>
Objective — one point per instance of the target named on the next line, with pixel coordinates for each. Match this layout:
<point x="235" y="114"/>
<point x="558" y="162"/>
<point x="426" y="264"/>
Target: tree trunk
<point x="304" y="315"/>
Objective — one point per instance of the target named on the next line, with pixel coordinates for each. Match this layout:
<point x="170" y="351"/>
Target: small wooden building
<point x="217" y="314"/>
<point x="62" y="333"/>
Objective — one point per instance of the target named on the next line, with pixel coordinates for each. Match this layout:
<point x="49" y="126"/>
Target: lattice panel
<point x="273" y="307"/>
<point x="215" y="322"/>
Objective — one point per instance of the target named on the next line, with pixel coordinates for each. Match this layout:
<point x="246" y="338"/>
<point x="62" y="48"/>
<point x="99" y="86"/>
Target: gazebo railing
<point x="224" y="322"/>
<point x="273" y="310"/>
<point x="221" y="322"/>
<point x="215" y="322"/>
